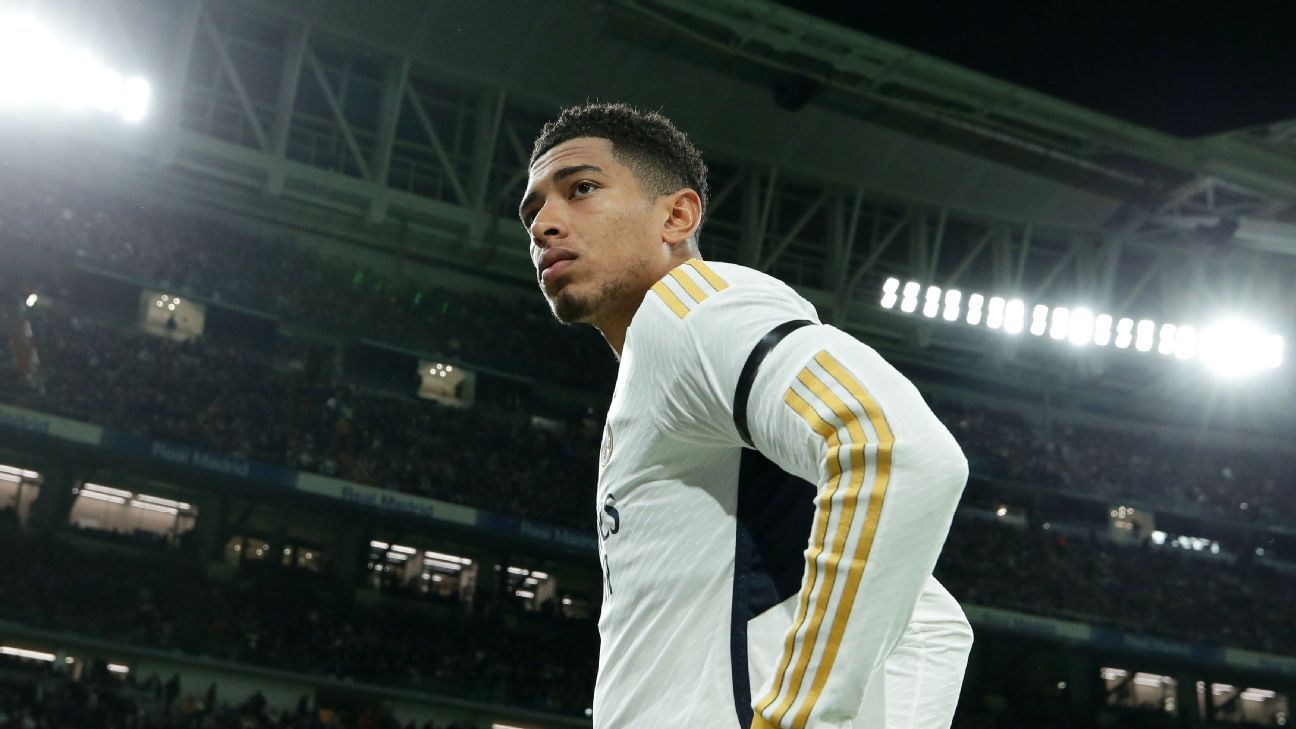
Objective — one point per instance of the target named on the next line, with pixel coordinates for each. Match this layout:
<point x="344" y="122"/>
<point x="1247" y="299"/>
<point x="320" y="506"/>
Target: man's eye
<point x="583" y="187"/>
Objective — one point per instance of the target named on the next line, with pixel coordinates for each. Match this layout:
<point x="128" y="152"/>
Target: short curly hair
<point x="662" y="158"/>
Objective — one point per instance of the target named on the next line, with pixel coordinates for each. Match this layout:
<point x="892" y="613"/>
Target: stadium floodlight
<point x="1231" y="346"/>
<point x="889" y="295"/>
<point x="31" y="300"/>
<point x="1186" y="342"/>
<point x="975" y="302"/>
<point x="1124" y="333"/>
<point x="931" y="307"/>
<point x="1102" y="330"/>
<point x="1039" y="320"/>
<point x="1061" y="321"/>
<point x="1167" y="340"/>
<point x="995" y="315"/>
<point x="910" y="300"/>
<point x="39" y="70"/>
<point x="1014" y="314"/>
<point x="1273" y="351"/>
<point x="1234" y="347"/>
<point x="952" y="298"/>
<point x="1144" y="334"/>
<point x="1081" y="331"/>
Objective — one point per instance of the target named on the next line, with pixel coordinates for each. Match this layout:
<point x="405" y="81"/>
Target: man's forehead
<point x="582" y="150"/>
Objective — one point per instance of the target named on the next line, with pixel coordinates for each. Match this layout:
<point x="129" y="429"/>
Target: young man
<point x="772" y="495"/>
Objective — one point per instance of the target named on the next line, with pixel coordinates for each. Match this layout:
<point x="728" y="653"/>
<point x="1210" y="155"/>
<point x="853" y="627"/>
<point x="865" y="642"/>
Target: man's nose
<point x="547" y="227"/>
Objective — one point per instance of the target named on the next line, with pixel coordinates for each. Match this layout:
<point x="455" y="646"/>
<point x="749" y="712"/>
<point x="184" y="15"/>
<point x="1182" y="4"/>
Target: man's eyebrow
<point x="562" y="174"/>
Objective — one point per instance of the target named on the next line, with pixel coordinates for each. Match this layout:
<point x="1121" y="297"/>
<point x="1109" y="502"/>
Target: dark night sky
<point x="1191" y="67"/>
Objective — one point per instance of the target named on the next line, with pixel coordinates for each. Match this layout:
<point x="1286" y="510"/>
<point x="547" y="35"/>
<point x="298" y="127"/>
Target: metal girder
<point x="344" y="127"/>
<point x="236" y="82"/>
<point x="796" y="229"/>
<point x="878" y="250"/>
<point x="286" y="102"/>
<point x="388" y="118"/>
<point x="181" y="57"/>
<point x="434" y="139"/>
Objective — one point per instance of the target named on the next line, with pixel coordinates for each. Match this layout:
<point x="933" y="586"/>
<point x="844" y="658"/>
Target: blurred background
<point x="288" y="437"/>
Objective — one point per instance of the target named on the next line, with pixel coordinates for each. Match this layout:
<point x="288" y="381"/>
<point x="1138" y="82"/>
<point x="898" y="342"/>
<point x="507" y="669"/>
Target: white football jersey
<point x="777" y="574"/>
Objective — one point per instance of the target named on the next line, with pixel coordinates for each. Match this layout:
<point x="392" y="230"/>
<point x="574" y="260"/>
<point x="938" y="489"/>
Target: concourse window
<point x="18" y="490"/>
<point x="403" y="571"/>
<point x="171" y="316"/>
<point x="125" y="513"/>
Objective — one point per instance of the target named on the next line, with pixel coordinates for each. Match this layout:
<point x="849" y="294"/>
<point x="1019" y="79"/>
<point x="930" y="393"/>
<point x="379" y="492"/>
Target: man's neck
<point x="614" y="326"/>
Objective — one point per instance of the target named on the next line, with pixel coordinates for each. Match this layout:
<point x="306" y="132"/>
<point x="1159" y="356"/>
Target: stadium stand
<point x="279" y="618"/>
<point x="182" y="253"/>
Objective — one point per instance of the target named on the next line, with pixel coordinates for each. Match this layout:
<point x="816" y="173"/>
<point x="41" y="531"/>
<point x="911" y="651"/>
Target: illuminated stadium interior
<point x="288" y="437"/>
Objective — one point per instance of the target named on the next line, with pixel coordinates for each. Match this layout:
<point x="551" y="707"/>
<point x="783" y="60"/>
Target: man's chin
<point x="569" y="309"/>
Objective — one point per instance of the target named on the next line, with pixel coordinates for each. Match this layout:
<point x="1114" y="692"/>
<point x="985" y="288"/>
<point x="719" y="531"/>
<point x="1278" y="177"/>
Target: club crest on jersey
<point x="605" y="450"/>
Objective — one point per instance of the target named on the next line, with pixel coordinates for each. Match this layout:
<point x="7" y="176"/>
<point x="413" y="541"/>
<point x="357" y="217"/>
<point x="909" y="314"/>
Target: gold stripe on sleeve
<point x="829" y="434"/>
<point x="851" y="423"/>
<point x="693" y="289"/>
<point x="711" y="276"/>
<point x="668" y="296"/>
<point x="855" y="572"/>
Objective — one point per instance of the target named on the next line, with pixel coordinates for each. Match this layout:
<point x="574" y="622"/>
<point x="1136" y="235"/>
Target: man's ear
<point x="683" y="216"/>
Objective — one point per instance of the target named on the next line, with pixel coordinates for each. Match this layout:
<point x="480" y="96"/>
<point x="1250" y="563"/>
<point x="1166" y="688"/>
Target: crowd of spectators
<point x="216" y="397"/>
<point x="297" y="621"/>
<point x="185" y="254"/>
<point x="222" y="398"/>
<point x="275" y="617"/>
<point x="1203" y="476"/>
<point x="1147" y="590"/>
<point x="47" y="697"/>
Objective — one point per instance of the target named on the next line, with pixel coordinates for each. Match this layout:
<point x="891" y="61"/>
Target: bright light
<point x="106" y="490"/>
<point x="1013" y="315"/>
<point x="1081" y="326"/>
<point x="1167" y="345"/>
<point x="1144" y="334"/>
<point x="118" y="668"/>
<point x="889" y="290"/>
<point x="31" y="300"/>
<point x="1234" y="347"/>
<point x="1230" y="346"/>
<point x="1124" y="333"/>
<point x="932" y="306"/>
<point x="910" y="301"/>
<point x="103" y="497"/>
<point x="952" y="298"/>
<point x="24" y="653"/>
<point x="39" y="70"/>
<point x="1039" y="320"/>
<point x="975" y="301"/>
<point x="1061" y="319"/>
<point x="1186" y="342"/>
<point x="1102" y="330"/>
<point x="134" y="99"/>
<point x="995" y="317"/>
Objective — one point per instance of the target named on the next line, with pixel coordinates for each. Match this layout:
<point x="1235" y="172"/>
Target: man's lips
<point x="556" y="269"/>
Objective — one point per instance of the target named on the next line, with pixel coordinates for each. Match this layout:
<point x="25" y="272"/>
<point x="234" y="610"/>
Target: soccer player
<point x="772" y="495"/>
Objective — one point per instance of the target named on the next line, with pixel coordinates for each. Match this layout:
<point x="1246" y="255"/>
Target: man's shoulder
<point x="714" y="297"/>
<point x="713" y="311"/>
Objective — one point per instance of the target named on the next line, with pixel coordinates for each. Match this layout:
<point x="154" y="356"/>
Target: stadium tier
<point x="221" y="397"/>
<point x="291" y="439"/>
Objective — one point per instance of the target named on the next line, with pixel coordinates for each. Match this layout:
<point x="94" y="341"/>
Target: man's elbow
<point x="947" y="465"/>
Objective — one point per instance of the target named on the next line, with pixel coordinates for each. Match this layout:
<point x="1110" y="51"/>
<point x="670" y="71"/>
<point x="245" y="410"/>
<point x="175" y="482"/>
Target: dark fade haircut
<point x="661" y="157"/>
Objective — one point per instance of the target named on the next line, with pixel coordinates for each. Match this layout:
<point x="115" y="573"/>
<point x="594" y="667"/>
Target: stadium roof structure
<point x="838" y="159"/>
